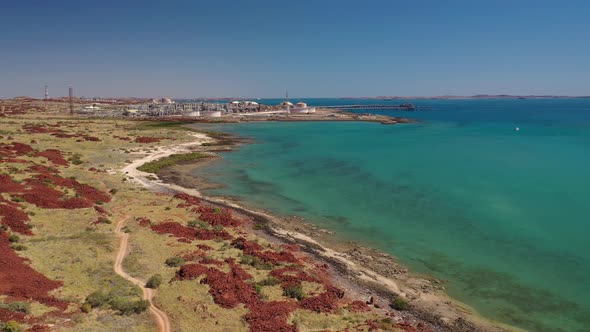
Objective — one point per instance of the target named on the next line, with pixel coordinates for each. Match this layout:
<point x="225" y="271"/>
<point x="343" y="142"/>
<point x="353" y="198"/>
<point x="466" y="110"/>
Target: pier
<point x="401" y="107"/>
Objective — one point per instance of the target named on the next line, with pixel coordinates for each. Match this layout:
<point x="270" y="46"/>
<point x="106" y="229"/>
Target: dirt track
<point x="148" y="293"/>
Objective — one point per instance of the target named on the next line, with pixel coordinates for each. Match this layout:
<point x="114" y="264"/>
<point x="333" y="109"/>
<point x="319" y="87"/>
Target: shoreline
<point x="366" y="272"/>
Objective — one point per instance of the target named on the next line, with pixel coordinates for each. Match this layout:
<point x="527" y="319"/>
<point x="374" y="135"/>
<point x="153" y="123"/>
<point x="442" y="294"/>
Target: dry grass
<point x="65" y="246"/>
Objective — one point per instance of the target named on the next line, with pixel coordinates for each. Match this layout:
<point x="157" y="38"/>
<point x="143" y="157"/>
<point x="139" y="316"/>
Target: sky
<point x="320" y="48"/>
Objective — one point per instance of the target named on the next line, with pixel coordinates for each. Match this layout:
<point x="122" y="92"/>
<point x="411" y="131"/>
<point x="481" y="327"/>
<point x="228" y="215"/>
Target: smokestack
<point x="71" y="100"/>
<point x="46" y="92"/>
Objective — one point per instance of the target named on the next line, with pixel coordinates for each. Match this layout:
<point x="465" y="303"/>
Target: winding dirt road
<point x="148" y="293"/>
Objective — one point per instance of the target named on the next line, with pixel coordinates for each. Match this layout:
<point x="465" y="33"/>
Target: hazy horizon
<point x="258" y="49"/>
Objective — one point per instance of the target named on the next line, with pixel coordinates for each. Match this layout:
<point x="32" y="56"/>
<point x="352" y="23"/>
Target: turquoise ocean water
<point x="502" y="215"/>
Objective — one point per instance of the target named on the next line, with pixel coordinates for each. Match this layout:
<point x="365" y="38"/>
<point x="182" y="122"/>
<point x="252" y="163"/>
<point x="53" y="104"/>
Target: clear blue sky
<point x="313" y="48"/>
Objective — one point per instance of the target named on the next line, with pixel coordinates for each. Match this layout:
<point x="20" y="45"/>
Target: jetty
<point x="400" y="107"/>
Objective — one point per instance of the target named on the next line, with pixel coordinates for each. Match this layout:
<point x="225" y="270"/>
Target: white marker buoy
<point x="516" y="128"/>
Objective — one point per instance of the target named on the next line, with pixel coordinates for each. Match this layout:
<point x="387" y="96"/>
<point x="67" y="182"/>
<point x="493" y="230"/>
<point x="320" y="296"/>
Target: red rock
<point x="359" y="306"/>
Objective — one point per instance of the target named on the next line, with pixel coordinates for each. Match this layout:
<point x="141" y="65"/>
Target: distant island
<point x="482" y="96"/>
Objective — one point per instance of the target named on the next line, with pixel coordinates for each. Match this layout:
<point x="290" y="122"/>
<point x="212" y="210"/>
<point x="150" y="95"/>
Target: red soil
<point x="326" y="302"/>
<point x="191" y="271"/>
<point x="19" y="281"/>
<point x="276" y="257"/>
<point x="204" y="247"/>
<point x="7" y="185"/>
<point x="188" y="200"/>
<point x="15" y="149"/>
<point x="122" y="138"/>
<point x="270" y="316"/>
<point x="193" y="255"/>
<point x="143" y="221"/>
<point x="42" y="195"/>
<point x="359" y="306"/>
<point x="54" y="156"/>
<point x="42" y="169"/>
<point x="216" y="216"/>
<point x="248" y="247"/>
<point x="42" y="129"/>
<point x="144" y="139"/>
<point x="230" y="289"/>
<point x="38" y="328"/>
<point x="14" y="161"/>
<point x="41" y="191"/>
<point x="7" y="315"/>
<point x="100" y="210"/>
<point x="210" y="261"/>
<point x="14" y="217"/>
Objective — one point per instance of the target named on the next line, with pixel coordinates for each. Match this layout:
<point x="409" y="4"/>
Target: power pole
<point x="71" y="90"/>
<point x="287" y="100"/>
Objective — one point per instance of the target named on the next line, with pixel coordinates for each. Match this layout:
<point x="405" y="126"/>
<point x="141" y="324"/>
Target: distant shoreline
<point x="443" y="97"/>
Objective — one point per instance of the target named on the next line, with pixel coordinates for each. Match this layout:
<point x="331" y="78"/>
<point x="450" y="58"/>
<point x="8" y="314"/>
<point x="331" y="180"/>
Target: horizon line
<point x="474" y="96"/>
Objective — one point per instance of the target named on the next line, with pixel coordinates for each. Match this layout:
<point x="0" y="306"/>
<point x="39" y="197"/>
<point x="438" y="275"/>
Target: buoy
<point x="516" y="128"/>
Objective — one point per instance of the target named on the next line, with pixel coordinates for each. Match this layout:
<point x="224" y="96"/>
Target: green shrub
<point x="14" y="238"/>
<point x="294" y="291"/>
<point x="154" y="281"/>
<point x="86" y="307"/>
<point x="270" y="281"/>
<point x="259" y="226"/>
<point x="399" y="303"/>
<point x="127" y="307"/>
<point x="175" y="261"/>
<point x="121" y="304"/>
<point x="255" y="262"/>
<point x="23" y="307"/>
<point x="11" y="326"/>
<point x="198" y="224"/>
<point x="97" y="299"/>
<point x="18" y="247"/>
<point x="259" y="292"/>
<point x="156" y="165"/>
